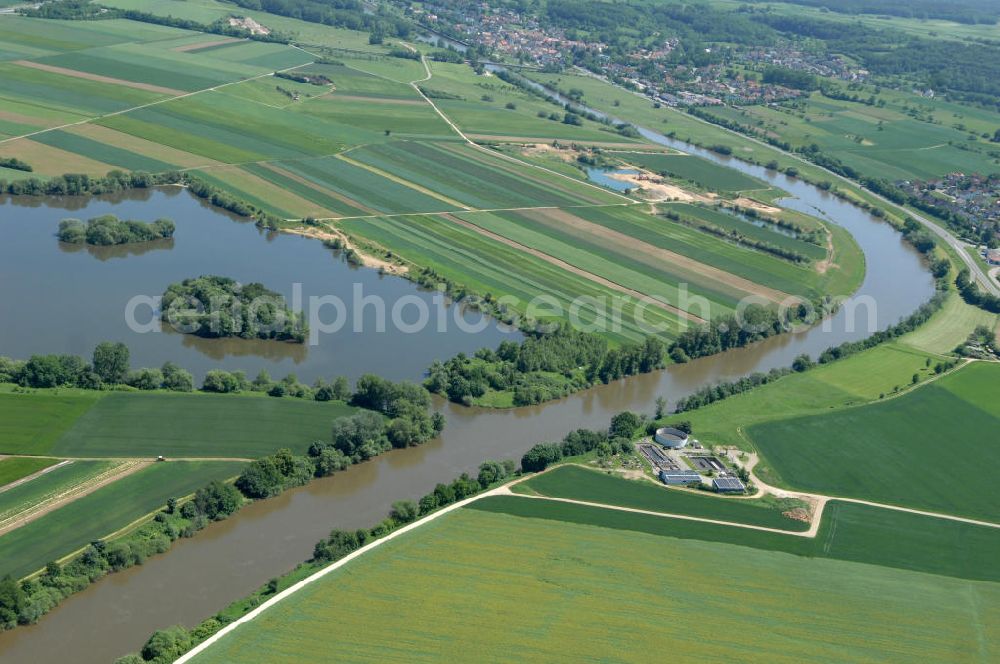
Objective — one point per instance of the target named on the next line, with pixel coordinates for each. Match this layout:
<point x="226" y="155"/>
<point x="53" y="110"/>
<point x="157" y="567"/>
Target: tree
<point x="624" y="424"/>
<point x="176" y="379"/>
<point x="661" y="407"/>
<point x="404" y="511"/>
<point x="341" y="388"/>
<point x="166" y="645"/>
<point x="171" y="505"/>
<point x="111" y="362"/>
<point x="802" y="363"/>
<point x="217" y="500"/>
<point x="490" y="472"/>
<point x="540" y="456"/>
<point x="260" y="479"/>
<point x="11" y="601"/>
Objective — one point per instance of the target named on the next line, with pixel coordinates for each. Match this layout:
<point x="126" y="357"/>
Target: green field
<point x="51" y="484"/>
<point x="579" y="483"/>
<point x="476" y="178"/>
<point x="103" y="512"/>
<point x="698" y="170"/>
<point x="130" y="424"/>
<point x="900" y="148"/>
<point x="552" y="585"/>
<point x="31" y="423"/>
<point x="200" y="425"/>
<point x="13" y="469"/>
<point x="481" y="109"/>
<point x="851" y="532"/>
<point x="758" y="230"/>
<point x="902" y="451"/>
<point x="485" y="265"/>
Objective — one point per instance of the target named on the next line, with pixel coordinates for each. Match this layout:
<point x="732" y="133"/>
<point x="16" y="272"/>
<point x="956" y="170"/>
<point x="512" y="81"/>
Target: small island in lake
<point x="215" y="307"/>
<point x="108" y="230"/>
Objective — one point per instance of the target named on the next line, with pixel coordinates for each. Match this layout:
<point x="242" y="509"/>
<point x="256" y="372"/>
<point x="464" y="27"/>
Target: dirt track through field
<point x="100" y="79"/>
<point x="323" y="190"/>
<point x="197" y="46"/>
<point x="25" y="480"/>
<point x="88" y="486"/>
<point x="590" y="276"/>
<point x="399" y="180"/>
<point x="631" y="245"/>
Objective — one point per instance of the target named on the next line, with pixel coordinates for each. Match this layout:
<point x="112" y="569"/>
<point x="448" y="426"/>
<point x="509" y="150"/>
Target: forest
<point x="108" y="230"/>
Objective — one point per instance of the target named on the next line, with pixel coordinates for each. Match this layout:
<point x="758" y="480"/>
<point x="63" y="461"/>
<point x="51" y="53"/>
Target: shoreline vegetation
<point x="214" y="307"/>
<point x="389" y="415"/>
<point x="108" y="230"/>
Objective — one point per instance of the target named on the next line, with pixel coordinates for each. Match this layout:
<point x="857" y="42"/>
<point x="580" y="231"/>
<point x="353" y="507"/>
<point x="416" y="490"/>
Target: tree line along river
<point x="229" y="559"/>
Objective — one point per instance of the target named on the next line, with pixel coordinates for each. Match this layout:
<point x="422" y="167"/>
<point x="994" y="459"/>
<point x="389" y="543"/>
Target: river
<point x="231" y="558"/>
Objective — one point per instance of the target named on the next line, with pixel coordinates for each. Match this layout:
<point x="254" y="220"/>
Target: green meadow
<point x="479" y="105"/>
<point x="15" y="468"/>
<point x="927" y="449"/>
<point x="554" y="583"/>
<point x="201" y="425"/>
<point x="31" y="423"/>
<point x="877" y="141"/>
<point x="131" y="424"/>
<point x="98" y="514"/>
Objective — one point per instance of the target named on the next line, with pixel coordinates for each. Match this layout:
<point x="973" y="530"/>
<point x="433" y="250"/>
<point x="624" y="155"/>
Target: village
<point x="651" y="69"/>
<point x="973" y="196"/>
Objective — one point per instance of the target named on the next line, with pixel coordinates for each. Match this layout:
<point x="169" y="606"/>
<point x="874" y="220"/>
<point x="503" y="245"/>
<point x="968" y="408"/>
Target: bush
<point x="624" y="425"/>
<point x="540" y="456"/>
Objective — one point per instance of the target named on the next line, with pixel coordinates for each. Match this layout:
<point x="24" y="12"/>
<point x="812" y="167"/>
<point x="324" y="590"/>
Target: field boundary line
<point x="811" y="532"/>
<point x="25" y="480"/>
<point x="477" y="146"/>
<point x="398" y="180"/>
<point x="152" y="103"/>
<point x="573" y="269"/>
<point x="332" y="567"/>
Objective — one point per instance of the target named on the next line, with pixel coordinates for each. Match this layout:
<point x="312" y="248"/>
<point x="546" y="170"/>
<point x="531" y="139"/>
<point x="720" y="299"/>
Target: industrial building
<point x="728" y="485"/>
<point x="670" y="437"/>
<point x="679" y="477"/>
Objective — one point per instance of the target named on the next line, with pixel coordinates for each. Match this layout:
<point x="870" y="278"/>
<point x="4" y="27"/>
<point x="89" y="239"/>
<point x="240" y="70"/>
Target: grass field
<point x="892" y="452"/>
<point x="13" y="469"/>
<point x="698" y="170"/>
<point x="553" y="584"/>
<point x="200" y="425"/>
<point x="103" y="512"/>
<point x="31" y="423"/>
<point x="597" y="487"/>
<point x="852" y="532"/>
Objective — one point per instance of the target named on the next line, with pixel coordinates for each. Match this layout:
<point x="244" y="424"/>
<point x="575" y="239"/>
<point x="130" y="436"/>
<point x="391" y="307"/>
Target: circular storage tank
<point x="671" y="437"/>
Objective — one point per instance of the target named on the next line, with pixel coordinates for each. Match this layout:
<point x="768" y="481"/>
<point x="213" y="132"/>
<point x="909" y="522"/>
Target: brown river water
<point x="199" y="576"/>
